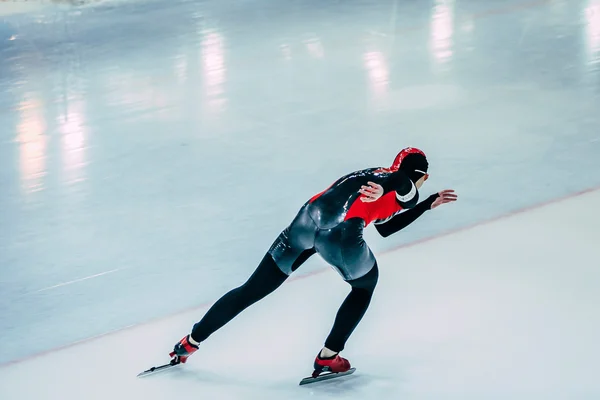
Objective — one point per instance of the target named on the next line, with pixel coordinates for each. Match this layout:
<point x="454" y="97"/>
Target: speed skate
<point x="325" y="376"/>
<point x="316" y="377"/>
<point x="173" y="363"/>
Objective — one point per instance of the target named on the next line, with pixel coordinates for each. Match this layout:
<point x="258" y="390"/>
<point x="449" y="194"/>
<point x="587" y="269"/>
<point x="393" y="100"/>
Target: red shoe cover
<point x="336" y="364"/>
<point x="183" y="349"/>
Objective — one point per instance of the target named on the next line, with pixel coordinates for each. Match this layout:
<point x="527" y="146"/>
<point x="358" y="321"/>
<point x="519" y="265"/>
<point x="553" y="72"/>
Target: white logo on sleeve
<point x="409" y="196"/>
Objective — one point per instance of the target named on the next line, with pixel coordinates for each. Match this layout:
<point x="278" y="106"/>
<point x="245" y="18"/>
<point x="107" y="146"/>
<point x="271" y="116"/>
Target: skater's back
<point x="341" y="201"/>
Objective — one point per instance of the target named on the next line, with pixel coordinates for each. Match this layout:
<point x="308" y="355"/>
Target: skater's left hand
<point x="445" y="196"/>
<point x="372" y="192"/>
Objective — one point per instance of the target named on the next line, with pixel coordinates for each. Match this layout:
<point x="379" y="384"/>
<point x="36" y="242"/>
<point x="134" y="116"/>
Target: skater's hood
<point x="418" y="162"/>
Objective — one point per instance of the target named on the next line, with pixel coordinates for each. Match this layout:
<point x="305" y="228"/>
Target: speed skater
<point x="331" y="223"/>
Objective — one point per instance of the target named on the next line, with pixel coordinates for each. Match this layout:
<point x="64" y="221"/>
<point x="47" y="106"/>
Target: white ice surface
<point x="505" y="310"/>
<point x="142" y="141"/>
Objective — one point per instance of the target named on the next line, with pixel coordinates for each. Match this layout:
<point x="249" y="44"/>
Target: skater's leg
<point x="291" y="248"/>
<point x="265" y="279"/>
<point x="345" y="249"/>
<point x="351" y="312"/>
<point x="349" y="315"/>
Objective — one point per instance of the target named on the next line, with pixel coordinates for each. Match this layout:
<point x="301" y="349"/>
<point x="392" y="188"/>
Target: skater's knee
<point x="368" y="281"/>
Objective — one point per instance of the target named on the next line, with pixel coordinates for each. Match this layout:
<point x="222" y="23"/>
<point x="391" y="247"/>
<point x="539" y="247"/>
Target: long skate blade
<point x="326" y="376"/>
<point x="159" y="368"/>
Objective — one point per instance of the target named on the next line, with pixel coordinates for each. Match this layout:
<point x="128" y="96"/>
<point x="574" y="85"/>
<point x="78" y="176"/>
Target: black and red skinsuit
<point x="331" y="224"/>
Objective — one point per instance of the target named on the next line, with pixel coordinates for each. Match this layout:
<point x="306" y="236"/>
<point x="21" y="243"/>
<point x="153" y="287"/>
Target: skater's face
<point x="421" y="181"/>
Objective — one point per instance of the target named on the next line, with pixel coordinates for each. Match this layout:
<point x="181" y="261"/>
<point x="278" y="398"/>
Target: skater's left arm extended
<point x="402" y="220"/>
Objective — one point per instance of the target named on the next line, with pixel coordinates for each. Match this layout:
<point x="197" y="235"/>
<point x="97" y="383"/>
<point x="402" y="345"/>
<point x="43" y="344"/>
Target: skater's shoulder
<point x="371" y="171"/>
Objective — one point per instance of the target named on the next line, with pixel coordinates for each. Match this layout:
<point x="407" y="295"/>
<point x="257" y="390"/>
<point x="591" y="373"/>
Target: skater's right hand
<point x="372" y="192"/>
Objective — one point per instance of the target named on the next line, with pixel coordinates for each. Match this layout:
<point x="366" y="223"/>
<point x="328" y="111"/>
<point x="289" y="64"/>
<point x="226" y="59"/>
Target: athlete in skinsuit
<point x="331" y="224"/>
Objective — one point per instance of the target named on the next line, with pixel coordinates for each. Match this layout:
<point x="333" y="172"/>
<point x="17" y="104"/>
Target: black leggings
<point x="268" y="277"/>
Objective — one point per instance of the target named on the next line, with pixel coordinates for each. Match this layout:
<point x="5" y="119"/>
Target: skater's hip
<point x="341" y="244"/>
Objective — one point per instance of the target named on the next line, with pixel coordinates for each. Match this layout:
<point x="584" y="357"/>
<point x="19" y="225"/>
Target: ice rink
<point x="150" y="152"/>
<point x="503" y="310"/>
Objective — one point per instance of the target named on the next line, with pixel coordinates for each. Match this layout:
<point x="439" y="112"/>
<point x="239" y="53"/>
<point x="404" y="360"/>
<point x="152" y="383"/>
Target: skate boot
<point x="333" y="364"/>
<point x="182" y="350"/>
